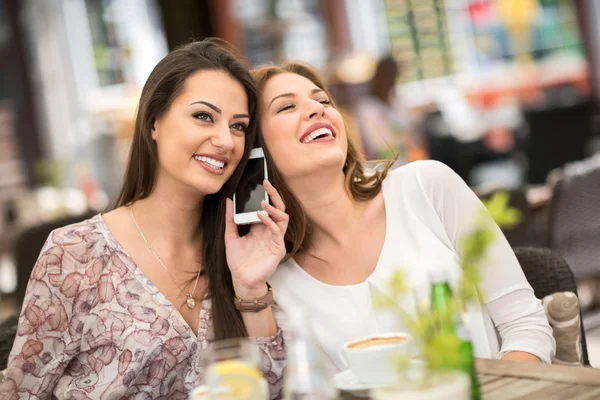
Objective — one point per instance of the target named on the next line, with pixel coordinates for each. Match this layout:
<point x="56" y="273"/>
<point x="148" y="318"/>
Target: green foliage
<point x="441" y="346"/>
<point x="504" y="215"/>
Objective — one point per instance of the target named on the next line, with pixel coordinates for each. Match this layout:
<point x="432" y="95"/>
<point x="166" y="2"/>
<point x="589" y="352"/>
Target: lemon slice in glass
<point x="245" y="381"/>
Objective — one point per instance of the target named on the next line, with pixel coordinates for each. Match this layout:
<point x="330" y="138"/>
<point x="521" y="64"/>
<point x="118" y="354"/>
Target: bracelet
<point x="255" y="305"/>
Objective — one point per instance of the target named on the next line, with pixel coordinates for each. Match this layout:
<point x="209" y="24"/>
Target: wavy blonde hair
<point x="361" y="186"/>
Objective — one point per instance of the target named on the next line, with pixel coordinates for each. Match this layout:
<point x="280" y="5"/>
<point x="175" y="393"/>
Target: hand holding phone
<point x="253" y="258"/>
<point x="250" y="190"/>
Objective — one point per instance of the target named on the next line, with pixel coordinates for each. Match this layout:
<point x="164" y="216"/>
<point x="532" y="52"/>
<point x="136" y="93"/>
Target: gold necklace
<point x="191" y="301"/>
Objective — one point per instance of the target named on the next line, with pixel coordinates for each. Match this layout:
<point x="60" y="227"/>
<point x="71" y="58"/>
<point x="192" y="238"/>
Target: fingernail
<point x="263" y="212"/>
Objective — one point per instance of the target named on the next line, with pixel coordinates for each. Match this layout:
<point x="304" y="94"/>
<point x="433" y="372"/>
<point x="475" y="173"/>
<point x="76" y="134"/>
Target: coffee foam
<point x="376" y="341"/>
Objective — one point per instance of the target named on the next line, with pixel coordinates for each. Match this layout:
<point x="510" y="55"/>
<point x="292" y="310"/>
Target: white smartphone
<point x="250" y="190"/>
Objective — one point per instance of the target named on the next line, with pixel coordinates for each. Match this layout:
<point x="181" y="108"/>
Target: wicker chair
<point x="8" y="331"/>
<point x="548" y="273"/>
<point x="574" y="216"/>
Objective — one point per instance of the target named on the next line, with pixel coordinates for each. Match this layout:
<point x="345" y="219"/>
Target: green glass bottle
<point x="450" y="327"/>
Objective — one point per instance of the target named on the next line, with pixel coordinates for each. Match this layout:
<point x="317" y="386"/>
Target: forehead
<point x="218" y="87"/>
<point x="287" y="83"/>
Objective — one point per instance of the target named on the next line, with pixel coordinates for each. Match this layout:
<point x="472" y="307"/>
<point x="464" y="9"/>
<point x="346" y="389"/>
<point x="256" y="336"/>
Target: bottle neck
<point x="440" y="295"/>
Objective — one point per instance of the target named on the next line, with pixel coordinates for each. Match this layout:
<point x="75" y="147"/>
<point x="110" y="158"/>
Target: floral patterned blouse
<point x="93" y="326"/>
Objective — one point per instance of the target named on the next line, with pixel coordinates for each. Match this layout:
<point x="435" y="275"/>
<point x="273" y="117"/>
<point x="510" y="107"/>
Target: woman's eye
<point x="203" y="116"/>
<point x="286" y="107"/>
<point x="325" y="102"/>
<point x="239" y="126"/>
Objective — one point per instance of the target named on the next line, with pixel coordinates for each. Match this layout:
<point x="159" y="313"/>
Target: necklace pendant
<point x="191" y="303"/>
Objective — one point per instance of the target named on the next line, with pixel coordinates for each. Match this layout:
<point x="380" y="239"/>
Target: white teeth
<point x="211" y="162"/>
<point x="316" y="133"/>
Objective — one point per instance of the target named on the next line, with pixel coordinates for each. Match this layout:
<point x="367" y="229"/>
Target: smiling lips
<point x="213" y="164"/>
<point x="319" y="132"/>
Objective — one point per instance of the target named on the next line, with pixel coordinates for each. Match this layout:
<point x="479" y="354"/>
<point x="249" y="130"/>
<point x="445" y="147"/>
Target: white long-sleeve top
<point x="428" y="210"/>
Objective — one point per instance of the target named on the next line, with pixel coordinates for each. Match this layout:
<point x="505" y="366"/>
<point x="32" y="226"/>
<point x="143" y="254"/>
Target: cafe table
<point x="511" y="380"/>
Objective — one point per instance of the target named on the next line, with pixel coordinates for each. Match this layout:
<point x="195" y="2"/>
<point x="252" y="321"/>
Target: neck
<point x="171" y="215"/>
<point x="328" y="205"/>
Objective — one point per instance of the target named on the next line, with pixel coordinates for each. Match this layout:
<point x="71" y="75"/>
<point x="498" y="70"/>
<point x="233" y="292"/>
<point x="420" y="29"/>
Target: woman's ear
<point x="153" y="130"/>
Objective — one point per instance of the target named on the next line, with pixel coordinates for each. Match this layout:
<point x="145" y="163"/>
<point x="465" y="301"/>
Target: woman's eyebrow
<point x="218" y="110"/>
<point x="281" y="95"/>
<point x="314" y="91"/>
<point x="206" y="103"/>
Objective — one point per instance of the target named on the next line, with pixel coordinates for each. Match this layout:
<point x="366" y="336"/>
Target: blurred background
<point x="505" y="92"/>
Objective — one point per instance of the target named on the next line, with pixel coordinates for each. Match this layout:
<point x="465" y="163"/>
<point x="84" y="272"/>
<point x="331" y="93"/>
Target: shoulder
<point x="428" y="186"/>
<point x="91" y="232"/>
<point x="424" y="175"/>
<point x="423" y="170"/>
<point x="77" y="245"/>
<point x="69" y="262"/>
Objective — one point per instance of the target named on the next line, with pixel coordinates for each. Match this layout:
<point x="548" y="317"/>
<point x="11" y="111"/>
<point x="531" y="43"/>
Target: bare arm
<point x="521" y="356"/>
<point x="252" y="260"/>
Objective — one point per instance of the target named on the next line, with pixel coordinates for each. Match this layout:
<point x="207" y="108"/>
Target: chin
<point x="205" y="191"/>
<point x="206" y="187"/>
<point x="332" y="159"/>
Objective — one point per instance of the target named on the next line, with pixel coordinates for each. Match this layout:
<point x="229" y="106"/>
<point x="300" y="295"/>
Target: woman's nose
<point x="315" y="109"/>
<point x="223" y="139"/>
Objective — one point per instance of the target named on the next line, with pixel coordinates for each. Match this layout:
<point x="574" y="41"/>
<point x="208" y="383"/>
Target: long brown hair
<point x="361" y="186"/>
<point x="165" y="83"/>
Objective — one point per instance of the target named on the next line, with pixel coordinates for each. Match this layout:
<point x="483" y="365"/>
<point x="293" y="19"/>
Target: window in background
<point x="261" y="30"/>
<point x="276" y="30"/>
<point x="110" y="49"/>
<point x="523" y="30"/>
<point x="13" y="179"/>
<point x="438" y="38"/>
<point x="419" y="38"/>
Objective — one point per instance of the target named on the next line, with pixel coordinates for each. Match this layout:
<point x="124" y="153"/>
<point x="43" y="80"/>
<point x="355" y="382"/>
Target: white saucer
<point x="348" y="382"/>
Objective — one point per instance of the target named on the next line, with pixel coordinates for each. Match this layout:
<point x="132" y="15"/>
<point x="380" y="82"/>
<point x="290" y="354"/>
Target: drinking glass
<point x="232" y="371"/>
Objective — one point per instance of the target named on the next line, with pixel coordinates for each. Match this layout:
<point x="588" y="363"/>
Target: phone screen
<point x="250" y="191"/>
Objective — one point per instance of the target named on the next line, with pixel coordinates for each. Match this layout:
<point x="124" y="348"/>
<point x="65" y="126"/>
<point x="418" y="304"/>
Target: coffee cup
<point x="370" y="358"/>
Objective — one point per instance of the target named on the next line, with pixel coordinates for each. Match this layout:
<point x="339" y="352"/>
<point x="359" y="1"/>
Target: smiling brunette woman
<point x="349" y="230"/>
<point x="121" y="305"/>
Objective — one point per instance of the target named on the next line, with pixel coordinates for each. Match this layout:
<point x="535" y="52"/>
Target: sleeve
<point x="45" y="341"/>
<point x="273" y="361"/>
<point x="517" y="314"/>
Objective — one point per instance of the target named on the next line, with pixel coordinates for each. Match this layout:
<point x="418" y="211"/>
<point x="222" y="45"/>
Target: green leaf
<point x="504" y="215"/>
<point x="397" y="282"/>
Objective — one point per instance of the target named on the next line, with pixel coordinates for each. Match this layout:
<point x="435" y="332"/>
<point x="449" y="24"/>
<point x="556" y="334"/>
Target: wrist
<point x="250" y="292"/>
<point x="254" y="304"/>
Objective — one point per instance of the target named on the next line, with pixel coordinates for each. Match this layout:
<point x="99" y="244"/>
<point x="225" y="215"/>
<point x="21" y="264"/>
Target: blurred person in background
<point x="479" y="145"/>
<point x="122" y="304"/>
<point x="385" y="125"/>
<point x="349" y="230"/>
